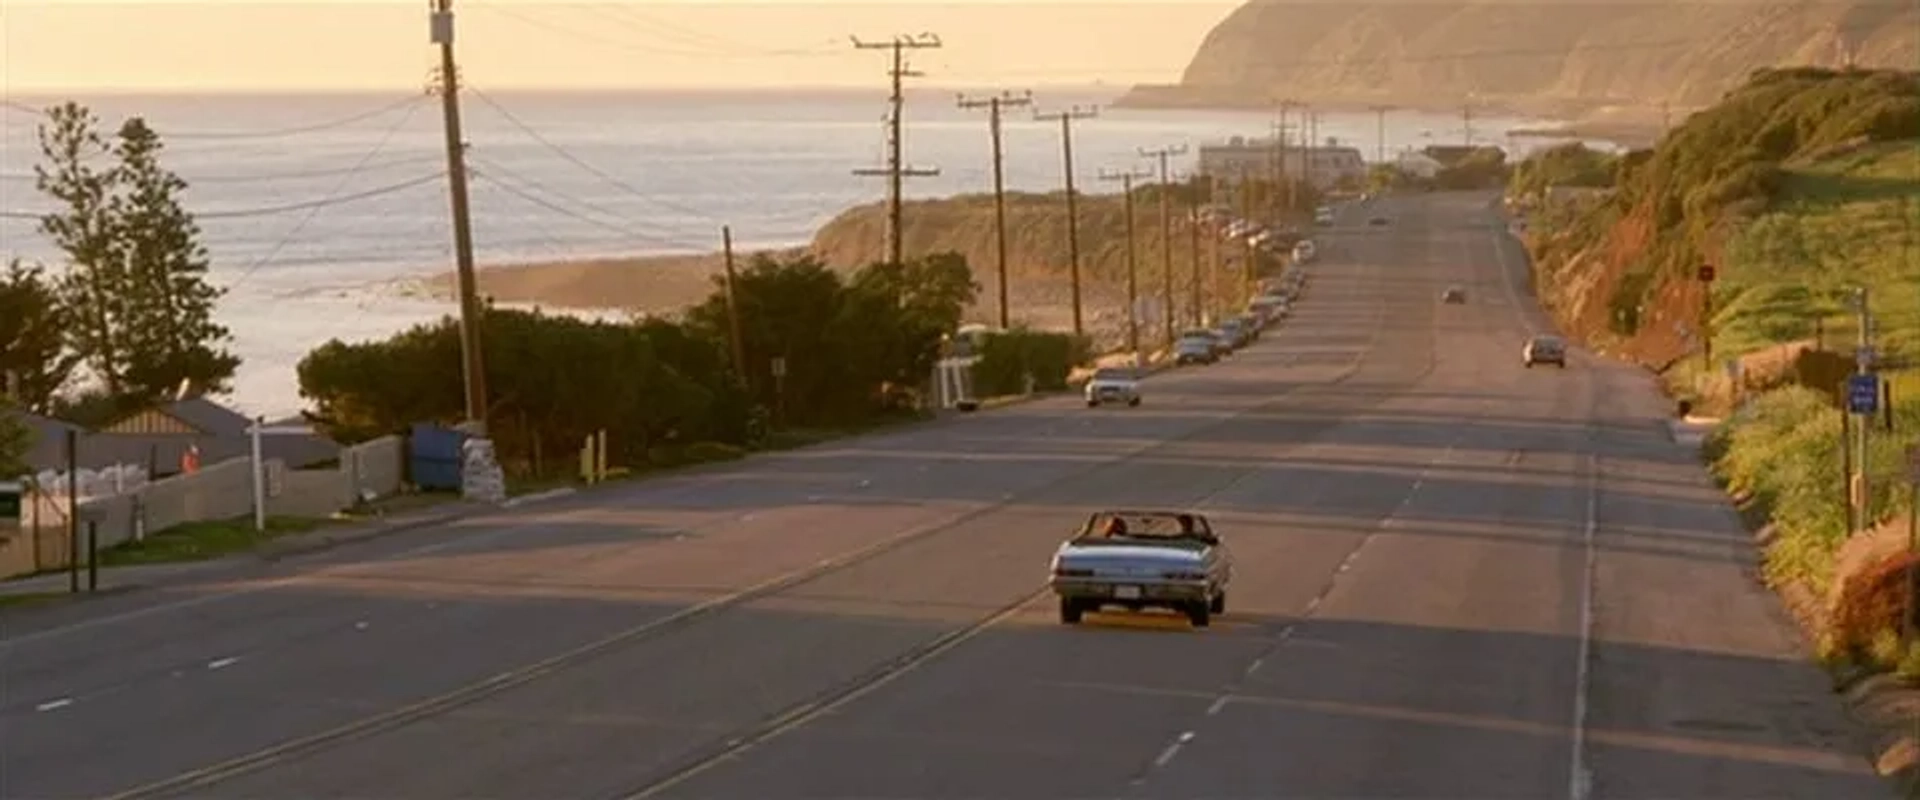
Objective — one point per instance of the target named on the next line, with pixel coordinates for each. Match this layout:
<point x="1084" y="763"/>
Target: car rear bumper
<point x="1122" y="591"/>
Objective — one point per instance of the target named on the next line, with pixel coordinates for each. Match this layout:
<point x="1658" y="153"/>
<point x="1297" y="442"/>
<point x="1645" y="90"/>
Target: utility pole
<point x="733" y="304"/>
<point x="1165" y="154"/>
<point x="1466" y="122"/>
<point x="993" y="105"/>
<point x="473" y="363"/>
<point x="1248" y="269"/>
<point x="1193" y="259"/>
<point x="1066" y="119"/>
<point x="896" y="169"/>
<point x="1133" y="265"/>
<point x="1217" y="258"/>
<point x="1280" y="159"/>
<point x="1380" y="133"/>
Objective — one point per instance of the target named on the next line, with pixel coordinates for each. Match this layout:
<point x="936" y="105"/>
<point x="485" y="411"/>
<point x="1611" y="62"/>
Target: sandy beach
<point x="664" y="285"/>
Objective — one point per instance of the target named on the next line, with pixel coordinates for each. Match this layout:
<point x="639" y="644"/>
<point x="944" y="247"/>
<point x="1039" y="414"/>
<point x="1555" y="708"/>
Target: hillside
<point x="1557" y="58"/>
<point x="1036" y="246"/>
<point x="1794" y="187"/>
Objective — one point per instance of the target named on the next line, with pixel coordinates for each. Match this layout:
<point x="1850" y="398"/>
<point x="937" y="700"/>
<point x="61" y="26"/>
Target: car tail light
<point x="1184" y="575"/>
<point x="1068" y="572"/>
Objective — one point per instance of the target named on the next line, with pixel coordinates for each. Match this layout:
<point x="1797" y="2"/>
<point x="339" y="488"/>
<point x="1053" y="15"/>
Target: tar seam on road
<point x="1579" y="777"/>
<point x="456" y="698"/>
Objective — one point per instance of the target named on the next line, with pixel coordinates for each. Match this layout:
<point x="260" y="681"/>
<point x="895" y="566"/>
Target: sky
<point x="227" y="45"/>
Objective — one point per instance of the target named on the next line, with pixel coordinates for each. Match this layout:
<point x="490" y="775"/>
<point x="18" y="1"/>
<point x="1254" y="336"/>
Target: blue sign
<point x="1863" y="394"/>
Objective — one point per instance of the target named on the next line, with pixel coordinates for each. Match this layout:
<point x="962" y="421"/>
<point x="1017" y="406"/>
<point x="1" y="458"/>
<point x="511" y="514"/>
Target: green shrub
<point x="705" y="452"/>
<point x="1784" y="455"/>
<point x="1008" y="358"/>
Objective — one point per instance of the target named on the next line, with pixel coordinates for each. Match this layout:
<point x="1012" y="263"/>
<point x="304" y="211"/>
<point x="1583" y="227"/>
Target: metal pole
<point x="1846" y="458"/>
<point x="1863" y="366"/>
<point x="93" y="556"/>
<point x="259" y="478"/>
<point x="73" y="510"/>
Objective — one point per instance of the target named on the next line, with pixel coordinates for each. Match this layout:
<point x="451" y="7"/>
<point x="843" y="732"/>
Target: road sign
<point x="1705" y="274"/>
<point x="1863" y="394"/>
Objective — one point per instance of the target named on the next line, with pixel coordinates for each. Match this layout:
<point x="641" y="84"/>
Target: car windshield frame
<point x="1547" y="342"/>
<point x="1148" y="527"/>
<point x="1113" y="374"/>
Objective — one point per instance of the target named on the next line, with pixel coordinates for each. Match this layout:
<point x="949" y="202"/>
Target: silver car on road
<point x="1113" y="385"/>
<point x="1143" y="559"/>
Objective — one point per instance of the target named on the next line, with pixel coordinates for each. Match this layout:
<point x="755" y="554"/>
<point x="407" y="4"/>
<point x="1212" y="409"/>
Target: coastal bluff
<point x="1562" y="59"/>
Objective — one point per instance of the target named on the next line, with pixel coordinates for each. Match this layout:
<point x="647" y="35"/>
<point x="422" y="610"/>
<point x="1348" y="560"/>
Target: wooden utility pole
<point x="1066" y="119"/>
<point x="1380" y="133"/>
<point x="733" y="304"/>
<point x="1466" y="123"/>
<point x="896" y="169"/>
<point x="1248" y="252"/>
<point x="1194" y="221"/>
<point x="1165" y="154"/>
<point x="1281" y="169"/>
<point x="472" y="360"/>
<point x="1217" y="257"/>
<point x="1126" y="180"/>
<point x="993" y="105"/>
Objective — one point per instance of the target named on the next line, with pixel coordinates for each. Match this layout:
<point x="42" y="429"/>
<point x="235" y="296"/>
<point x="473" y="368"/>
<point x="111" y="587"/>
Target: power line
<point x="502" y="176"/>
<point x="270" y="177"/>
<point x="643" y="48"/>
<point x="287" y="238"/>
<point x="1428" y="58"/>
<point x="268" y="211"/>
<point x="582" y="163"/>
<point x="567" y="212"/>
<point x="717" y="46"/>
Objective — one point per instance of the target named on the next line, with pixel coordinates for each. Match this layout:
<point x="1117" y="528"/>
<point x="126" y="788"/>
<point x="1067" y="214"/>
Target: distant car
<point x="1454" y="295"/>
<point x="1196" y="347"/>
<point x="1113" y="385"/>
<point x="1545" y="349"/>
<point x="1377" y="221"/>
<point x="1143" y="559"/>
<point x="1232" y="332"/>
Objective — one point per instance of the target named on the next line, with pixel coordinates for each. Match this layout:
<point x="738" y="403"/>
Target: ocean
<point x="322" y="212"/>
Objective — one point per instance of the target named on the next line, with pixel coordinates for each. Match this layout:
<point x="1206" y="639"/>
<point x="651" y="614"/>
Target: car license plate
<point x="1127" y="592"/>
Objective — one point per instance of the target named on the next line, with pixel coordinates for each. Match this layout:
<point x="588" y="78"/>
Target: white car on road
<point x="1113" y="385"/>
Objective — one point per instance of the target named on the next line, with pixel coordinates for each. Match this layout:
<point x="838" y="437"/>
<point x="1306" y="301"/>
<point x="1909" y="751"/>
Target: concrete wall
<point x="216" y="492"/>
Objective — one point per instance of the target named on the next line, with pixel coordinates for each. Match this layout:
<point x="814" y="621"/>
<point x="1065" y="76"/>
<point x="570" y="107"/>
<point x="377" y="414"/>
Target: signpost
<point x="1863" y="393"/>
<point x="258" y="429"/>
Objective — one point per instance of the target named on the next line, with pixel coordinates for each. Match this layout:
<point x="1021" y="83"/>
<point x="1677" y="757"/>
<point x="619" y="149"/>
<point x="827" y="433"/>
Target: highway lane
<point x="270" y="654"/>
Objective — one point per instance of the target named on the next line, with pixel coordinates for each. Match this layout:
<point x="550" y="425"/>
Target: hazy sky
<point x="361" y="44"/>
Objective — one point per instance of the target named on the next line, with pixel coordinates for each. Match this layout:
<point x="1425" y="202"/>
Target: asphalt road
<point x="1456" y="578"/>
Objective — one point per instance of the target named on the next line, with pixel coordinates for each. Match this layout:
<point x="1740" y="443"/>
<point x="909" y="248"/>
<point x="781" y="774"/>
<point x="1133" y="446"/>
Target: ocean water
<point x="322" y="212"/>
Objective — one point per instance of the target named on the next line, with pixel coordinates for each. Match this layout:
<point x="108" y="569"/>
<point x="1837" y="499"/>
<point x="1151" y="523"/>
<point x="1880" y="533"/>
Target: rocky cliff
<point x="1563" y="58"/>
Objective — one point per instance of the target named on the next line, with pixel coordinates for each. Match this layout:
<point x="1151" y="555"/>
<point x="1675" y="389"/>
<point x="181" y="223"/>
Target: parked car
<point x="1196" y="347"/>
<point x="1143" y="559"/>
<point x="1113" y="385"/>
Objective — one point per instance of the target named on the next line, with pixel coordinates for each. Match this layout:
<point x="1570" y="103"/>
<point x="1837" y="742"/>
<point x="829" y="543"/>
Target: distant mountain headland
<point x="1601" y="63"/>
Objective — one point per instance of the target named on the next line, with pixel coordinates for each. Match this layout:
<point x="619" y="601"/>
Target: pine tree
<point x="15" y="440"/>
<point x="172" y="330"/>
<point x="138" y="302"/>
<point x="34" y="361"/>
<point x="95" y="288"/>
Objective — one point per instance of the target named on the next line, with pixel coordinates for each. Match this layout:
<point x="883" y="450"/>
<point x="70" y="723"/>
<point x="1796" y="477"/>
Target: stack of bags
<point x="480" y="475"/>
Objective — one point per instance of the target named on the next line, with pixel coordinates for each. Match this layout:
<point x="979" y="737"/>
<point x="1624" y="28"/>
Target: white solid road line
<point x="51" y="705"/>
